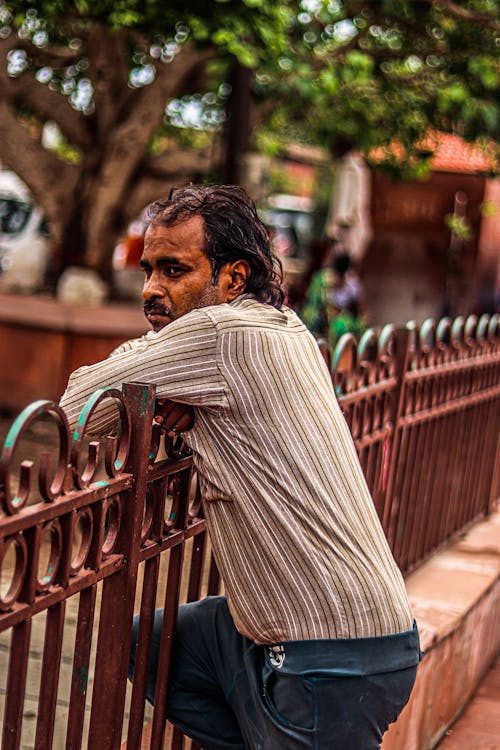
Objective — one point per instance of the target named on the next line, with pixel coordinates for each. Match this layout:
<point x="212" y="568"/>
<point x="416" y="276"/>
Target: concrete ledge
<point x="456" y="601"/>
<point x="42" y="341"/>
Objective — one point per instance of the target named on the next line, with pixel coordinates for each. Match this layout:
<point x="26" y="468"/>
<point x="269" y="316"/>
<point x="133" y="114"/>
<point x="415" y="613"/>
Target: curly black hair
<point x="233" y="231"/>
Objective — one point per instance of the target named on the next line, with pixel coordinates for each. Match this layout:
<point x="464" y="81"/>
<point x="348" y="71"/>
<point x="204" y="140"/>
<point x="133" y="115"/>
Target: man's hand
<point x="173" y="417"/>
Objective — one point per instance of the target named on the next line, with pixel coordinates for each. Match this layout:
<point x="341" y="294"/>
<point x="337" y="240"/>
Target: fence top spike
<point x="345" y="354"/>
<point x="482" y="328"/>
<point x="457" y="332"/>
<point x="470" y="329"/>
<point x="428" y="335"/>
<point x="443" y="332"/>
<point x="494" y="327"/>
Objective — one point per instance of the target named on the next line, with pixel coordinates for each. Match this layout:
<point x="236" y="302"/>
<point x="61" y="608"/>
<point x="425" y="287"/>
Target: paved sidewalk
<point x="479" y="726"/>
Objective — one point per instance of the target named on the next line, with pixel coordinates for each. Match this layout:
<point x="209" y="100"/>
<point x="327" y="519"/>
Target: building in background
<point x="417" y="266"/>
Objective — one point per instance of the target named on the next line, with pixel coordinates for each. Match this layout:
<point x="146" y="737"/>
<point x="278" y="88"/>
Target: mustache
<point x="153" y="308"/>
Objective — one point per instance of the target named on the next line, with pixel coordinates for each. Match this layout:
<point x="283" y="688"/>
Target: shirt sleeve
<point x="180" y="360"/>
<point x="126" y="345"/>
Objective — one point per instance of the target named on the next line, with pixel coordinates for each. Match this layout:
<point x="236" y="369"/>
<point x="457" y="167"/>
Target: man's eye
<point x="173" y="271"/>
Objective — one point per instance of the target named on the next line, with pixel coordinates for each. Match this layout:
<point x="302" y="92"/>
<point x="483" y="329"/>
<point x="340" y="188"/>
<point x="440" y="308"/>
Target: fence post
<point x="113" y="645"/>
<point x="402" y="341"/>
<point x="495" y="482"/>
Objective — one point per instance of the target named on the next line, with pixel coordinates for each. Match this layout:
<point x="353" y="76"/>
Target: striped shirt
<point x="294" y="531"/>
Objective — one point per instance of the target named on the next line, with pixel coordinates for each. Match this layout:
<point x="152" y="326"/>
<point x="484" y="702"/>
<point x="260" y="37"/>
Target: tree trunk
<point x="238" y="129"/>
<point x="88" y="203"/>
<point x="72" y="248"/>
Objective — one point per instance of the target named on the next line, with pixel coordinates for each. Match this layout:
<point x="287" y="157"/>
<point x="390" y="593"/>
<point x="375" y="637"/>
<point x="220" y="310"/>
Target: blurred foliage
<point x="488" y="209"/>
<point x="327" y="72"/>
<point x="247" y="29"/>
<point x="387" y="71"/>
<point x="340" y="74"/>
<point x="459" y="226"/>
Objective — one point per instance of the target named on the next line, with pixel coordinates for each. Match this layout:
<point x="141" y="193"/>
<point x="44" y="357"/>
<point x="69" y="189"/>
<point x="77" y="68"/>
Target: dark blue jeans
<point x="229" y="693"/>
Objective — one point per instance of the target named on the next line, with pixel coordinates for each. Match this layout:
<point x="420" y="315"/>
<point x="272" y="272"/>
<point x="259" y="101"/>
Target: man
<point x="315" y="645"/>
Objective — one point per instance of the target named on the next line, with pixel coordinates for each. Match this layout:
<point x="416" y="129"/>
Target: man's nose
<point x="152" y="288"/>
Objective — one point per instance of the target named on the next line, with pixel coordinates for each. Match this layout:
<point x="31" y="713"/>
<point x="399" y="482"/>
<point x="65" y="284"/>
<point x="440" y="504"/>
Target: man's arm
<point x="127" y="346"/>
<point x="180" y="360"/>
<point x="173" y="417"/>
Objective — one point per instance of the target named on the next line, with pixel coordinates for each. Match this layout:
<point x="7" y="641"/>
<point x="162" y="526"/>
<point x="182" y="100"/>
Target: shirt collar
<point x="242" y="298"/>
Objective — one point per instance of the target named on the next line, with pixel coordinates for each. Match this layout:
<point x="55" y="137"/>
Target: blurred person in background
<point x="334" y="304"/>
<point x="349" y="212"/>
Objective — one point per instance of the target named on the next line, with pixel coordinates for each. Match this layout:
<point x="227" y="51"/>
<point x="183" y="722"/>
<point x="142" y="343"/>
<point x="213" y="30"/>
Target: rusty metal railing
<point x="423" y="405"/>
<point x="95" y="526"/>
<point x="101" y="531"/>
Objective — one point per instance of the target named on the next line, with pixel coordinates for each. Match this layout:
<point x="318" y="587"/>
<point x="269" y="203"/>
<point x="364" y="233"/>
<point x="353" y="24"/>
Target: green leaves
<point x="487" y="69"/>
<point x="376" y="71"/>
<point x="388" y="71"/>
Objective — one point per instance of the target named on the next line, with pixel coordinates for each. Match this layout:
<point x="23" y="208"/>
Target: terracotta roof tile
<point x="451" y="154"/>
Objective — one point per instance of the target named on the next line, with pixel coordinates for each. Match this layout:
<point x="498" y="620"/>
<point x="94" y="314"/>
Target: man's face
<point x="178" y="273"/>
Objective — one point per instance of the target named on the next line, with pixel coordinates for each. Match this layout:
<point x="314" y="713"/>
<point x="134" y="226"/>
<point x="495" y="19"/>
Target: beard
<point x="160" y="314"/>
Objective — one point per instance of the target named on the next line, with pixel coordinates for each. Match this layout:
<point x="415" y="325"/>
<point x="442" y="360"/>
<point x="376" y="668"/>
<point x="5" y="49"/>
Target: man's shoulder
<point x="248" y="312"/>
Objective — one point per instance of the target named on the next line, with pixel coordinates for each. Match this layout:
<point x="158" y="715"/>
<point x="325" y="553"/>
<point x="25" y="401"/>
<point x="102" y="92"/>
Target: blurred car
<point x="24" y="237"/>
<point x="290" y="220"/>
<point x="128" y="278"/>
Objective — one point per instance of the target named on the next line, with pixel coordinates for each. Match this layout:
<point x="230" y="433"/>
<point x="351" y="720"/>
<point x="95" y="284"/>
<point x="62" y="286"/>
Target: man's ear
<point x="238" y="274"/>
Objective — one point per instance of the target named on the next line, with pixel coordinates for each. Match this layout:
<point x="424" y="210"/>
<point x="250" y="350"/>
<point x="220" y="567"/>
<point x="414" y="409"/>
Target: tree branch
<point x="52" y="182"/>
<point x="160" y="173"/>
<point x="179" y="162"/>
<point x="108" y="71"/>
<point x="52" y="55"/>
<point x="48" y="105"/>
<point x="143" y="192"/>
<point x="128" y="141"/>
<point x="45" y="104"/>
<point x="464" y="14"/>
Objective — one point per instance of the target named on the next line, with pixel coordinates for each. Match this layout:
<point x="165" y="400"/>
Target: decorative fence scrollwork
<point x="423" y="405"/>
<point x="13" y="502"/>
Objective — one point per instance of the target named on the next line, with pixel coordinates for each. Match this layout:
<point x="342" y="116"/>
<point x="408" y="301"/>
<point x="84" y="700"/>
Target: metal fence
<point x="97" y="532"/>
